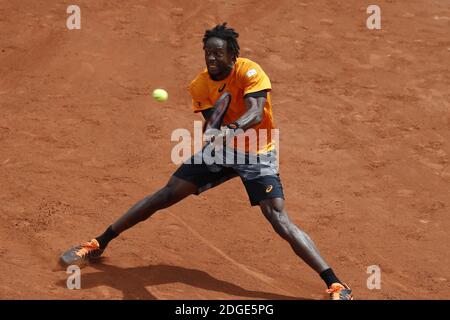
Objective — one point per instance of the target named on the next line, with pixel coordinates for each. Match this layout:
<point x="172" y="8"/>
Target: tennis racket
<point x="220" y="109"/>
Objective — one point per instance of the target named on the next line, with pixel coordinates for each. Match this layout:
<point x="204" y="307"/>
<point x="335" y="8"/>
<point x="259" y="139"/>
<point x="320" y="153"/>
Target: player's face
<point x="218" y="60"/>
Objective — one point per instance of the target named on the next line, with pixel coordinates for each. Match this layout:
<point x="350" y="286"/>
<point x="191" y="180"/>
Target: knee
<point x="281" y="222"/>
<point x="164" y="197"/>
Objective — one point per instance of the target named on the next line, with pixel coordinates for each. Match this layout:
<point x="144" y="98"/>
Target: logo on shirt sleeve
<point x="251" y="73"/>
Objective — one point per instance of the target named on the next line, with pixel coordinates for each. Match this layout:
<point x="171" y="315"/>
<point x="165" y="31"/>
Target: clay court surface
<point x="364" y="118"/>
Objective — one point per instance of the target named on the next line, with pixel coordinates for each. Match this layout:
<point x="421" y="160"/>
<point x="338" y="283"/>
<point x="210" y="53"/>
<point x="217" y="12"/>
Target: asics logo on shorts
<point x="269" y="188"/>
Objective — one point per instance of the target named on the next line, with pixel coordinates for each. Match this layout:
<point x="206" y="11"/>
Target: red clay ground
<point x="365" y="127"/>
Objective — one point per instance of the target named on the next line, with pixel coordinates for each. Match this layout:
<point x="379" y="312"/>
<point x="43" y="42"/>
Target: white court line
<point x="267" y="280"/>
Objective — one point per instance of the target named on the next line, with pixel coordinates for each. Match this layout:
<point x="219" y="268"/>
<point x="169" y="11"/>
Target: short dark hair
<point x="223" y="32"/>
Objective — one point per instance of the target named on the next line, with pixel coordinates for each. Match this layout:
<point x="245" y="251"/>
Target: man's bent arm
<point x="254" y="114"/>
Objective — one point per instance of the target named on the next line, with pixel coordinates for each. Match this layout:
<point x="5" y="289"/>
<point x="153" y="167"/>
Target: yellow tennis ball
<point x="160" y="95"/>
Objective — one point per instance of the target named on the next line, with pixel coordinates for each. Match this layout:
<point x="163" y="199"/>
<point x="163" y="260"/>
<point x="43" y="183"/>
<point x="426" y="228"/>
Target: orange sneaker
<point x="339" y="291"/>
<point x="82" y="253"/>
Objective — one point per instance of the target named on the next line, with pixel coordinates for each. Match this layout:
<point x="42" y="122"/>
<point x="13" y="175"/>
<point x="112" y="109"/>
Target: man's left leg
<point x="264" y="188"/>
<point x="301" y="243"/>
<point x="273" y="209"/>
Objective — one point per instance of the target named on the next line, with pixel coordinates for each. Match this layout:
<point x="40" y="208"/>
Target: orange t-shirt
<point x="246" y="77"/>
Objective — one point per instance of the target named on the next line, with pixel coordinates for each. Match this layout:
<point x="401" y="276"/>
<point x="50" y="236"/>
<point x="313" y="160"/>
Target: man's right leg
<point x="174" y="191"/>
<point x="189" y="178"/>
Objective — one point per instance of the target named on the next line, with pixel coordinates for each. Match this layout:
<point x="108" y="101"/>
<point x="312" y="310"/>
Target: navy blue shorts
<point x="261" y="179"/>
